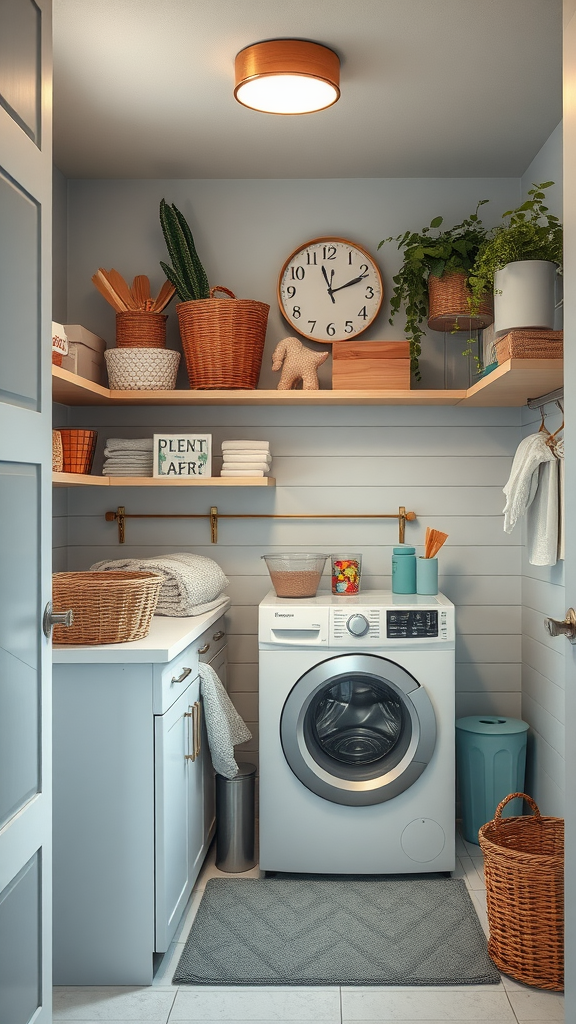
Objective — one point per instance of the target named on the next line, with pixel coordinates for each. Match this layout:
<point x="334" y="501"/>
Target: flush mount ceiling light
<point x="287" y="76"/>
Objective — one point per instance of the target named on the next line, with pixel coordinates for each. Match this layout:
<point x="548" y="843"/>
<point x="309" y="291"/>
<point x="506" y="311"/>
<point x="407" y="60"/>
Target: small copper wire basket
<point x="78" y="447"/>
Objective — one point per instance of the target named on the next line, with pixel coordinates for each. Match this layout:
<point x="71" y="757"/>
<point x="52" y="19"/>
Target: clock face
<point x="330" y="290"/>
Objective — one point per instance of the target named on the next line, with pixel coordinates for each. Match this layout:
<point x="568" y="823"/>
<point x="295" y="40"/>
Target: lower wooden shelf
<point x="86" y="480"/>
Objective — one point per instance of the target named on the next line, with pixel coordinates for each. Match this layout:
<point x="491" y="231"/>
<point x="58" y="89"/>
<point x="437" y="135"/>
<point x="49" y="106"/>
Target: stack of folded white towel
<point x="193" y="584"/>
<point x="128" y="456"/>
<point x="246" y="458"/>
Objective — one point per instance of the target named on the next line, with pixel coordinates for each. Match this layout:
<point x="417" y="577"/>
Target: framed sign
<point x="182" y="456"/>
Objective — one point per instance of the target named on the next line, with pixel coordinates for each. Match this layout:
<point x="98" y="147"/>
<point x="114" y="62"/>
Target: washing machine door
<point x="358" y="729"/>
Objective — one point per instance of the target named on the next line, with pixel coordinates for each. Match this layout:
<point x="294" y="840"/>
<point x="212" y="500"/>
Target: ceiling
<point x="430" y="88"/>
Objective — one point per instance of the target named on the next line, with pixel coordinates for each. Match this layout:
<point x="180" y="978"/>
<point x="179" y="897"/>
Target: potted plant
<point x="222" y="339"/>
<point x="519" y="261"/>
<point x="432" y="282"/>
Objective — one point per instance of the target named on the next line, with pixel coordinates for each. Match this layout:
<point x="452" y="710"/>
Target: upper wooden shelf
<point x="510" y="384"/>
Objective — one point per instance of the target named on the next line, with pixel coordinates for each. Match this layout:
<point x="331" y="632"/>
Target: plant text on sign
<point x="182" y="456"/>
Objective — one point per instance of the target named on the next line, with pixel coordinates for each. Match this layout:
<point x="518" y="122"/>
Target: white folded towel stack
<point x="128" y="456"/>
<point x="246" y="458"/>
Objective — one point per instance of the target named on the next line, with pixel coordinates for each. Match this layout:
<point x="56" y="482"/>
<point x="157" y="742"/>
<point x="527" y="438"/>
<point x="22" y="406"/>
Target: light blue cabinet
<point x="133" y="803"/>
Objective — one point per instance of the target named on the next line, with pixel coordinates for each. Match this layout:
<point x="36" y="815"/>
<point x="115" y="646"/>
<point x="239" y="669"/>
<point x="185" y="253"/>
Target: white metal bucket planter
<point x="524" y="295"/>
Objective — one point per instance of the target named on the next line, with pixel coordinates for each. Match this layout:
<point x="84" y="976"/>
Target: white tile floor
<point x="164" y="1003"/>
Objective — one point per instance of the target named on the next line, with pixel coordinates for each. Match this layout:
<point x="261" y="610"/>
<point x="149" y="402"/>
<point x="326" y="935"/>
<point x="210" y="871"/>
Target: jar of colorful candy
<point x="346" y="571"/>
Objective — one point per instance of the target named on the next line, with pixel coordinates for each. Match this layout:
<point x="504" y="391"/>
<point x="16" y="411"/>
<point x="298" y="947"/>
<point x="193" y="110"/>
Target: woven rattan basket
<point x="530" y="344"/>
<point x="108" y="607"/>
<point x="141" y="330"/>
<point x="524" y="871"/>
<point x="223" y="340"/>
<point x="448" y="305"/>
<point x="57" y="454"/>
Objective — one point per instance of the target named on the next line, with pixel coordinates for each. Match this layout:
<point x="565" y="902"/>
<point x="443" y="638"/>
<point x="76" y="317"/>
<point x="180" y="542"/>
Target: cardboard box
<point x="85" y="354"/>
<point x="371" y="366"/>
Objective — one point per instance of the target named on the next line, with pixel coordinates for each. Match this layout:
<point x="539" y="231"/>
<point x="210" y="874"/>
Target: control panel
<point x="409" y="623"/>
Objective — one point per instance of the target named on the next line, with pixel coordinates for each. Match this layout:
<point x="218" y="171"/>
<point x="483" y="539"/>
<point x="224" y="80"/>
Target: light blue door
<point x="25" y="509"/>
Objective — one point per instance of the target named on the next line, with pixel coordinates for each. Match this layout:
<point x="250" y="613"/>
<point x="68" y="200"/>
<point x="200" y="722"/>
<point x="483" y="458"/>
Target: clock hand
<point x="354" y="280"/>
<point x="329" y="282"/>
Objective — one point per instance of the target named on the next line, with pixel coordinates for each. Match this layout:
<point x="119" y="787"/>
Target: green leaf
<point x="436" y="222"/>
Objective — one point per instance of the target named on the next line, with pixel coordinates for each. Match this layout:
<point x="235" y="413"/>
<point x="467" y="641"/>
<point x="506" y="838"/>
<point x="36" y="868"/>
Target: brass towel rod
<point x="120" y="516"/>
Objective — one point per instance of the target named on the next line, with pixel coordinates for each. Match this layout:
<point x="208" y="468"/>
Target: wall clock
<point x="330" y="289"/>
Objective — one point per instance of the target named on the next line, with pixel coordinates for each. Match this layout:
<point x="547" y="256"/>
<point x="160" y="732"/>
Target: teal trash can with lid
<point x="491" y="764"/>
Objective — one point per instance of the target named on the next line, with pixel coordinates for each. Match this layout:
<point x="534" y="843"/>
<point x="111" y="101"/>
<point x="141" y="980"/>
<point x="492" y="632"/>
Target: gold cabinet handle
<point x="219" y="635"/>
<point x="179" y="679"/>
<point x="198" y="746"/>
<point x="190" y="739"/>
<point x="202" y="650"/>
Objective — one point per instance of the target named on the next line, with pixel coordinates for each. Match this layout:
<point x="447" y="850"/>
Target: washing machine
<point x="357" y="728"/>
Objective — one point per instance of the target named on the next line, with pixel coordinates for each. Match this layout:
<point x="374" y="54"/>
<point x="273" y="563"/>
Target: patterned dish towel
<point x="224" y="726"/>
<point x="192" y="584"/>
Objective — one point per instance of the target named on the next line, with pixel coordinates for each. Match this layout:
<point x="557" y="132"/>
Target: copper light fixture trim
<point x="287" y="64"/>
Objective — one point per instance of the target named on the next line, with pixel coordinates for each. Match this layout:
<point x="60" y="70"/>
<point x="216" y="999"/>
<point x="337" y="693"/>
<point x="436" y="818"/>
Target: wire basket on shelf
<point x="108" y="607"/>
<point x="524" y="872"/>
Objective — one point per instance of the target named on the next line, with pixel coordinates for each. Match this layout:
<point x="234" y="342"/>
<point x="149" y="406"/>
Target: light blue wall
<point x="547" y="166"/>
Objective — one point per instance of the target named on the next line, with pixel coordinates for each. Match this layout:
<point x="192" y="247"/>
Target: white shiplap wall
<point x="543" y="595"/>
<point x="448" y="465"/>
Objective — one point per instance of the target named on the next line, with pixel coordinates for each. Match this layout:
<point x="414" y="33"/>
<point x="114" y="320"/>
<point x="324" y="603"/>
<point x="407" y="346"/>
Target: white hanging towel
<point x="523" y="480"/>
<point x="542" y="517"/>
<point x="224" y="726"/>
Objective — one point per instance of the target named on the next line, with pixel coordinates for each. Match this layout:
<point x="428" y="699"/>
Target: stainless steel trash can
<point x="235" y="820"/>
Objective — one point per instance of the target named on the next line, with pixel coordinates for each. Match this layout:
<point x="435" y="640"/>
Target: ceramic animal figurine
<point x="297" y="363"/>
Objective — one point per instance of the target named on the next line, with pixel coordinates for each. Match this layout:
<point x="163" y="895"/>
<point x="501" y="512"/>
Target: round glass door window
<point x="358" y="729"/>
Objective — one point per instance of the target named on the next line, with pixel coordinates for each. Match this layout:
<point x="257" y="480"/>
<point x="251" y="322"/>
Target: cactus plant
<point x="186" y="273"/>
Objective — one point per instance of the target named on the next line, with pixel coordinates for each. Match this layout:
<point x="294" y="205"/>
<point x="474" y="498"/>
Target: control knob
<point x="358" y="625"/>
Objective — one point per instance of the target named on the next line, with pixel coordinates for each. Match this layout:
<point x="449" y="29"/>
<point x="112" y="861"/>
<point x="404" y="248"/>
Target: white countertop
<point x="168" y="636"/>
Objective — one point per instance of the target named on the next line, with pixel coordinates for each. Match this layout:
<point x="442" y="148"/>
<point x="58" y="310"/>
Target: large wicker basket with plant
<point x="432" y="283"/>
<point x="222" y="339"/>
<point x="528" y="245"/>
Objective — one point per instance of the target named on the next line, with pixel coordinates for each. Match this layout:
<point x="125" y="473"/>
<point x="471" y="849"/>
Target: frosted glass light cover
<point x="287" y="94"/>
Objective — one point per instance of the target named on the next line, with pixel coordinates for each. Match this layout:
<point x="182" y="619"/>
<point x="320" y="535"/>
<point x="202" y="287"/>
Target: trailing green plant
<point x="453" y="250"/>
<point x="186" y="273"/>
<point x="530" y="232"/>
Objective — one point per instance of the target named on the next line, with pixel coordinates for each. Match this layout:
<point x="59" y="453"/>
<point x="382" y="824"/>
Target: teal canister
<point x="404" y="570"/>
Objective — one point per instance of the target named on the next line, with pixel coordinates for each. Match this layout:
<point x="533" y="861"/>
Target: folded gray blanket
<point x="224" y="726"/>
<point x="192" y="584"/>
<point x="129" y="444"/>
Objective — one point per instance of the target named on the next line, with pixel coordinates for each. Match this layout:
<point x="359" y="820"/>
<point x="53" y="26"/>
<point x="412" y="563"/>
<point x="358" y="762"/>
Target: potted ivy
<point x="519" y="262"/>
<point x="222" y="339"/>
<point x="432" y="282"/>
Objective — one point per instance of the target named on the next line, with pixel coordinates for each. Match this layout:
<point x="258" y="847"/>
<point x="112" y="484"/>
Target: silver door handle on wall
<point x="51" y="619"/>
<point x="566" y="627"/>
<point x="179" y="679"/>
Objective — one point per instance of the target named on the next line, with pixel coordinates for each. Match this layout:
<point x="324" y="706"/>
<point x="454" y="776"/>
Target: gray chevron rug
<point x="336" y="931"/>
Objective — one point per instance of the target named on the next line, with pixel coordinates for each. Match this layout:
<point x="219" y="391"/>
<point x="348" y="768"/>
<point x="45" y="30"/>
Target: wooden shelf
<point x="510" y="384"/>
<point x="86" y="480"/>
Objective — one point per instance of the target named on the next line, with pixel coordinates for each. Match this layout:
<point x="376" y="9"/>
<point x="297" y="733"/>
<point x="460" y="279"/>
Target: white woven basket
<point x="142" y="369"/>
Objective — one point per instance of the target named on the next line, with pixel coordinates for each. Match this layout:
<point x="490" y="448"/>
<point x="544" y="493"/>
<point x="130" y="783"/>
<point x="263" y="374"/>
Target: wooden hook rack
<point x="120" y="516"/>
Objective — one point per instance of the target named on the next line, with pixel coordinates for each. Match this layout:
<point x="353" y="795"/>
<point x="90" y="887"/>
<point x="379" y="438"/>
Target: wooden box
<point x="371" y="366"/>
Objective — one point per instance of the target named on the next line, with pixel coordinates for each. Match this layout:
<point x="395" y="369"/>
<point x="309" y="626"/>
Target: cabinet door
<point x="179" y="823"/>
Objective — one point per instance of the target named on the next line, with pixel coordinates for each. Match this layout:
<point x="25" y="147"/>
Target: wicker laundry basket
<point x="223" y="340"/>
<point x="524" y="871"/>
<point x="108" y="607"/>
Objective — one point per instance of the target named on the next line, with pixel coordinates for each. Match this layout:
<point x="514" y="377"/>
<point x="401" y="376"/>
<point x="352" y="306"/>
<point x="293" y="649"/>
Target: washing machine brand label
<point x="284" y="615"/>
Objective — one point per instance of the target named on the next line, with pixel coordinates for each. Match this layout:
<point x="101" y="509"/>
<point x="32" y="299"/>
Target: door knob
<point x="55" y="619"/>
<point x="567" y="627"/>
